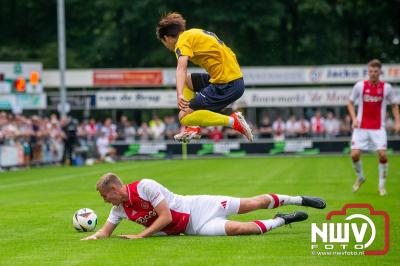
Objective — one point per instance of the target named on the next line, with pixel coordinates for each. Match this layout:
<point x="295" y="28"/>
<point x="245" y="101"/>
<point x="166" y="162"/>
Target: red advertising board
<point x="127" y="78"/>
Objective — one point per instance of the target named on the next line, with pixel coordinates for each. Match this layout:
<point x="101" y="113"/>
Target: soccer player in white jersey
<point x="372" y="97"/>
<point x="164" y="213"/>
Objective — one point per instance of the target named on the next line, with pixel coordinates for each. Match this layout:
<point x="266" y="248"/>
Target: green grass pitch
<point x="36" y="208"/>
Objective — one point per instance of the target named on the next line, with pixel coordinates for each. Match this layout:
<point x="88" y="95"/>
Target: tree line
<point x="121" y="33"/>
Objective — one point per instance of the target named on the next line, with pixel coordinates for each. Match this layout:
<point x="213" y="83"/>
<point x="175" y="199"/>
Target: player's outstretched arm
<point x="164" y="218"/>
<point x="396" y="115"/>
<point x="181" y="74"/>
<point x="104" y="232"/>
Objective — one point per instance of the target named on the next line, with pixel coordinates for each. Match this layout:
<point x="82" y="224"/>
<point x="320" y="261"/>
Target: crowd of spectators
<point x="317" y="127"/>
<point x="47" y="139"/>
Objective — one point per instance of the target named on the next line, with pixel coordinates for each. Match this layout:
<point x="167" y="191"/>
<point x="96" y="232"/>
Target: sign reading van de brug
<point x="136" y="99"/>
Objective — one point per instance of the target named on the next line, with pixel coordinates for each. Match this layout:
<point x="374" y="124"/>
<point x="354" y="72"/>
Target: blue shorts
<point x="214" y="97"/>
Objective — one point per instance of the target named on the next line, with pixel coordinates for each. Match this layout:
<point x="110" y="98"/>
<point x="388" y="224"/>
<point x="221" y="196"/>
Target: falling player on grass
<point x="369" y="131"/>
<point x="162" y="212"/>
<point x="201" y="96"/>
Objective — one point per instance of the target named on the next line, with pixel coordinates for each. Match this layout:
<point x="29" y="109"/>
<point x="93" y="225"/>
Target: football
<point x="84" y="220"/>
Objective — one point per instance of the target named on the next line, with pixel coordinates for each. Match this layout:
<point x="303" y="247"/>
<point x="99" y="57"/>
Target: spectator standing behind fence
<point x="46" y="142"/>
<point x="91" y="129"/>
<point x="56" y="140"/>
<point x="144" y="132"/>
<point x="130" y="131"/>
<point x="230" y="133"/>
<point x="104" y="148"/>
<point x="171" y="127"/>
<point x="157" y="127"/>
<point x="345" y="126"/>
<point x="25" y="130"/>
<point x="121" y="126"/>
<point x="290" y="126"/>
<point x="278" y="128"/>
<point x="215" y="133"/>
<point x="303" y="128"/>
<point x="70" y="129"/>
<point x="82" y="134"/>
<point x="109" y="129"/>
<point x="332" y="126"/>
<point x="36" y="145"/>
<point x="10" y="131"/>
<point x="317" y="125"/>
<point x="265" y="130"/>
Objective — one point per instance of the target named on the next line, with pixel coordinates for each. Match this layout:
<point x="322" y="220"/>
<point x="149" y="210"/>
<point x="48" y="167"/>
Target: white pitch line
<point x="69" y="176"/>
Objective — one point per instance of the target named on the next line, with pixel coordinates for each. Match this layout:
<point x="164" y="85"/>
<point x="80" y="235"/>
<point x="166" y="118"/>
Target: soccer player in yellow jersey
<point x="201" y="96"/>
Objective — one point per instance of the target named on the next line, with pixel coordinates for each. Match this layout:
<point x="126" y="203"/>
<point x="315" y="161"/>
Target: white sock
<point x="279" y="200"/>
<point x="358" y="168"/>
<point x="383" y="169"/>
<point x="268" y="225"/>
<point x="231" y="120"/>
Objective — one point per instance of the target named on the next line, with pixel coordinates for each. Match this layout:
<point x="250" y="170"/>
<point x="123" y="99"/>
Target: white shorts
<point x="369" y="139"/>
<point x="208" y="214"/>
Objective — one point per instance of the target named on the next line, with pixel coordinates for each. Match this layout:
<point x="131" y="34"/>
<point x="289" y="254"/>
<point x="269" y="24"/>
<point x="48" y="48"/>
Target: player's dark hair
<point x="375" y="63"/>
<point x="171" y="25"/>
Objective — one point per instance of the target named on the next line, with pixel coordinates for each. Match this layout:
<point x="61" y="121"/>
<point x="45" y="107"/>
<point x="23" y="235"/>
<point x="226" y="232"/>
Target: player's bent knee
<point x="355" y="155"/>
<point x="181" y="115"/>
<point x="382" y="157"/>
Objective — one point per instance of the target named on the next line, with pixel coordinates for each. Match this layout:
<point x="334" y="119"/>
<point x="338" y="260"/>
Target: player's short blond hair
<point x="171" y="25"/>
<point x="107" y="180"/>
<point x="375" y="63"/>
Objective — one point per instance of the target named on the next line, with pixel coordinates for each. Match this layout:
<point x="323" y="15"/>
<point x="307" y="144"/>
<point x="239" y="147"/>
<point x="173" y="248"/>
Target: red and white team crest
<point x="223" y="204"/>
<point x="145" y="205"/>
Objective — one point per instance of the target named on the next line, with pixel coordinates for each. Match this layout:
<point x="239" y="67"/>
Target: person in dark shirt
<point x="70" y="129"/>
<point x="265" y="130"/>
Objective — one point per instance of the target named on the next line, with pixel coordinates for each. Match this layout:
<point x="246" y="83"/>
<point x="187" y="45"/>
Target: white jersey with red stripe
<point x="204" y="214"/>
<point x="372" y="100"/>
<point x="144" y="196"/>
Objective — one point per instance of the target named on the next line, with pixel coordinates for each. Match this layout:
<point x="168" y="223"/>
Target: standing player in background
<point x="162" y="212"/>
<point x="372" y="96"/>
<point x="201" y="96"/>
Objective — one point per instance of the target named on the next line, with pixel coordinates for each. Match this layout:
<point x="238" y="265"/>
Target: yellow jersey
<point x="205" y="49"/>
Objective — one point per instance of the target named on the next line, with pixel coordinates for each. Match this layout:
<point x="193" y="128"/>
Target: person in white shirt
<point x="162" y="212"/>
<point x="290" y="127"/>
<point x="303" y="127"/>
<point x="369" y="133"/>
<point x="104" y="148"/>
<point x="317" y="125"/>
<point x="279" y="129"/>
<point x="332" y="126"/>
